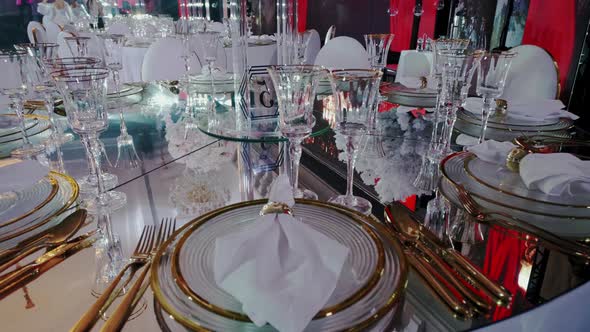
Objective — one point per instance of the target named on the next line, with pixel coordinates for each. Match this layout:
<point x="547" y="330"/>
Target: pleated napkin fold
<point x="528" y="110"/>
<point x="280" y="269"/>
<point x="556" y="174"/>
<point x="492" y="151"/>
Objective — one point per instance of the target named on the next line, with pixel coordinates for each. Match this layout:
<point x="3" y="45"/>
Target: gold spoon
<point x="52" y="237"/>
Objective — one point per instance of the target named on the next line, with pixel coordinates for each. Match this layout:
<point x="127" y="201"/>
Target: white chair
<point x="330" y="34"/>
<point x="36" y="32"/>
<point x="343" y="53"/>
<point x="51" y="29"/>
<point x="313" y="46"/>
<point x="163" y="61"/>
<point x="413" y="64"/>
<point x="120" y="28"/>
<point x="532" y="75"/>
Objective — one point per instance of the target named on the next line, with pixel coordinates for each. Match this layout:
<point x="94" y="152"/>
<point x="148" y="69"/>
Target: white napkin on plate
<point x="8" y="122"/>
<point x="411" y="82"/>
<point x="492" y="151"/>
<point x="530" y="110"/>
<point x="466" y="140"/>
<point x="556" y="174"/>
<point x="17" y="175"/>
<point x="280" y="269"/>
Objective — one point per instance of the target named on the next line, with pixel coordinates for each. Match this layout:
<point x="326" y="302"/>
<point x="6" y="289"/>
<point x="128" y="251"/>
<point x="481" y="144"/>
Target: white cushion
<point x="532" y="75"/>
<point x="343" y="53"/>
<point x="51" y="29"/>
<point x="413" y="64"/>
<point x="330" y="34"/>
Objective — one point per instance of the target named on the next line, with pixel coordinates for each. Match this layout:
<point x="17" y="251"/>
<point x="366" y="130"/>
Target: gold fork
<point x="552" y="241"/>
<point x="140" y="257"/>
<point x="125" y="308"/>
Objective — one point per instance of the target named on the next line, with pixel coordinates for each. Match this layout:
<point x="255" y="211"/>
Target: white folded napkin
<point x="530" y="110"/>
<point x="17" y="175"/>
<point x="492" y="151"/>
<point x="556" y="174"/>
<point x="280" y="269"/>
<point x="466" y="140"/>
<point x="8" y="122"/>
<point x="411" y="82"/>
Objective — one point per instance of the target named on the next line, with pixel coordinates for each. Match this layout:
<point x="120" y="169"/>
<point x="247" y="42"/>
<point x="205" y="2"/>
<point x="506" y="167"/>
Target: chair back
<point x="36" y="32"/>
<point x="330" y="34"/>
<point x="533" y="75"/>
<point x="313" y="46"/>
<point x="163" y="61"/>
<point x="343" y="53"/>
<point x="51" y="29"/>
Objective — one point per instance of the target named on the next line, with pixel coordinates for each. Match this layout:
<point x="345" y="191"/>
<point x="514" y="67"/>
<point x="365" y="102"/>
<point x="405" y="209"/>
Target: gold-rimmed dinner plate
<point x="562" y="218"/>
<point x="561" y="129"/>
<point x="364" y="313"/>
<point x="29" y="200"/>
<point x="195" y="249"/>
<point x="43" y="218"/>
<point x="10" y="125"/>
<point x="506" y="122"/>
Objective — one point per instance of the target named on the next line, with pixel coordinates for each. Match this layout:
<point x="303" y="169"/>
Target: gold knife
<point x="22" y="276"/>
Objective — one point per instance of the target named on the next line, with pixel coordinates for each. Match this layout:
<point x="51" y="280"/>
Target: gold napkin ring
<point x="501" y="107"/>
<point x="514" y="157"/>
<point x="423" y="82"/>
<point x="276" y="207"/>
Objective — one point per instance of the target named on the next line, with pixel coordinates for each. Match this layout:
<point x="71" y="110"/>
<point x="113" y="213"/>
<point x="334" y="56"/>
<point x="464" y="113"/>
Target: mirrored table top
<point x="175" y="170"/>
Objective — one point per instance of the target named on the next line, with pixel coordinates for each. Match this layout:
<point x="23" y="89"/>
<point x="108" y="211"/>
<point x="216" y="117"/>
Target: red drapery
<point x="301" y="15"/>
<point x="428" y="19"/>
<point x="555" y="36"/>
<point x="401" y="24"/>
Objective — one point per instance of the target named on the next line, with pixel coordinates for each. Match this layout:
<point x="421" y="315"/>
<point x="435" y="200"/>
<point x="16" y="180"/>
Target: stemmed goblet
<point x="15" y="87"/>
<point x="78" y="45"/>
<point x="113" y="51"/>
<point x="42" y="55"/>
<point x="491" y="77"/>
<point x="355" y="90"/>
<point x="84" y="91"/>
<point x="185" y="29"/>
<point x="295" y="86"/>
<point x="209" y="41"/>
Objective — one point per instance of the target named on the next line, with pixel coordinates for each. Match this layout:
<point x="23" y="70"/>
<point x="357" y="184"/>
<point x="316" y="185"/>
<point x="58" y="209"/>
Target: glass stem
<point x="93" y="148"/>
<point x="18" y="109"/>
<point x="451" y="119"/>
<point x="212" y="80"/>
<point x="295" y="156"/>
<point x="91" y="169"/>
<point x="437" y="108"/>
<point x="485" y="116"/>
<point x="48" y="99"/>
<point x="350" y="162"/>
<point x="117" y="80"/>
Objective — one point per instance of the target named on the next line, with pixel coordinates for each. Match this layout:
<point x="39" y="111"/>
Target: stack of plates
<point x="500" y="190"/>
<point x="223" y="83"/>
<point x="31" y="211"/>
<point x="183" y="281"/>
<point x="10" y="133"/>
<point x="402" y="95"/>
<point x="126" y="90"/>
<point x="507" y="128"/>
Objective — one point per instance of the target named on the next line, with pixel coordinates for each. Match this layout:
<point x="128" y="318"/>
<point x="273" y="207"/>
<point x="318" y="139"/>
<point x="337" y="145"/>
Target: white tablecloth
<point x="133" y="60"/>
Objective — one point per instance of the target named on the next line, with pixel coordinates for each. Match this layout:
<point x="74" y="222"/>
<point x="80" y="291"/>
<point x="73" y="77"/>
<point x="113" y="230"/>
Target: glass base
<point x="305" y="194"/>
<point x="60" y="139"/>
<point x="428" y="177"/>
<point x="105" y="203"/>
<point x="27" y="151"/>
<point x="88" y="183"/>
<point x="353" y="202"/>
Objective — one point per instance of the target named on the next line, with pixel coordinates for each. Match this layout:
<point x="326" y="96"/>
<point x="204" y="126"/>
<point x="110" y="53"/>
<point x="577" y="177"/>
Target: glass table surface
<point x="175" y="168"/>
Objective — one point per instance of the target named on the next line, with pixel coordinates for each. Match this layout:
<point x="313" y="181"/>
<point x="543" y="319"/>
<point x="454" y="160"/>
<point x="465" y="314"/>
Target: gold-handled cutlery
<point x="147" y="244"/>
<point x="52" y="237"/>
<point x="412" y="228"/>
<point x="125" y="308"/>
<point x="505" y="220"/>
<point x="12" y="281"/>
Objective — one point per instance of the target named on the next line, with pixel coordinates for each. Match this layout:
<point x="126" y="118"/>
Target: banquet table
<point x="171" y="165"/>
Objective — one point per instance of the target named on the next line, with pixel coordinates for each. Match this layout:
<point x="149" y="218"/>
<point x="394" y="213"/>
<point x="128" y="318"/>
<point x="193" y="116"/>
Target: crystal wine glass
<point x="15" y="87"/>
<point x="491" y="78"/>
<point x="42" y="55"/>
<point x="84" y="91"/>
<point x="356" y="90"/>
<point x="295" y="86"/>
<point x="113" y="51"/>
<point x="209" y="41"/>
<point x="78" y="45"/>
